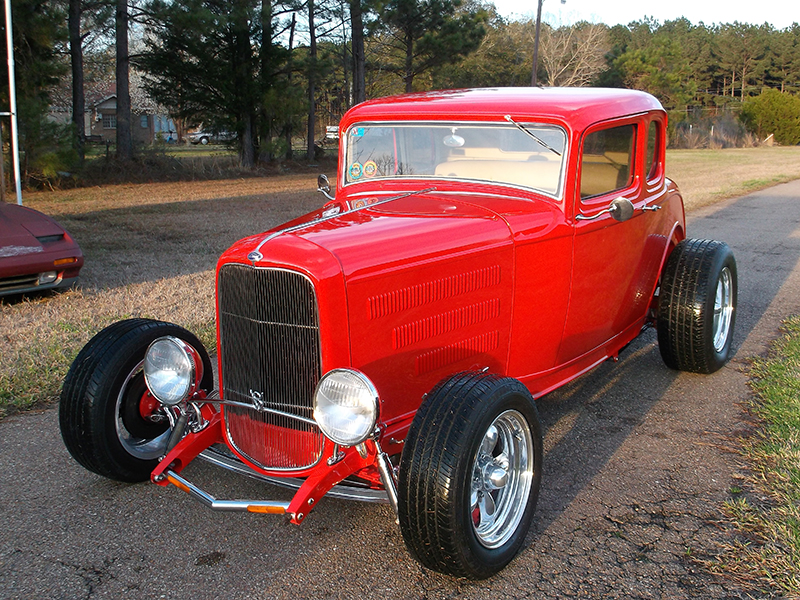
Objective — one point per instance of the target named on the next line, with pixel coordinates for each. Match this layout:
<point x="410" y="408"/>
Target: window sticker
<point x="357" y="132"/>
<point x="356" y="170"/>
<point x="370" y="168"/>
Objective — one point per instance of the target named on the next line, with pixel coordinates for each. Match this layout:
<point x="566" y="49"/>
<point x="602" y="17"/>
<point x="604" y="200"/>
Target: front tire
<point x="697" y="306"/>
<point x="469" y="475"/>
<point x="108" y="421"/>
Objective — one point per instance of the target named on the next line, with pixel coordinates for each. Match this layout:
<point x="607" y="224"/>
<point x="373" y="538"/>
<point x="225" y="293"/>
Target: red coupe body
<point x="471" y="274"/>
<point x="482" y="248"/>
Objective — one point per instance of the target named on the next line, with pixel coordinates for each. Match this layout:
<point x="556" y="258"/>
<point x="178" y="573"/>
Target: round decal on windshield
<point x="356" y="170"/>
<point x="370" y="168"/>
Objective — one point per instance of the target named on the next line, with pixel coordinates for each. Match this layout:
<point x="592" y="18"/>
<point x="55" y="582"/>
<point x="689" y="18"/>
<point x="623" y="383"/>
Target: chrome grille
<point x="270" y="358"/>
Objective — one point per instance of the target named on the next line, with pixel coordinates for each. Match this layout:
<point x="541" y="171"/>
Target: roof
<point x="579" y="107"/>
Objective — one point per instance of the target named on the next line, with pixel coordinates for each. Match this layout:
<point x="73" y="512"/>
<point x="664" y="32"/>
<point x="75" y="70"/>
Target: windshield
<point x="521" y="154"/>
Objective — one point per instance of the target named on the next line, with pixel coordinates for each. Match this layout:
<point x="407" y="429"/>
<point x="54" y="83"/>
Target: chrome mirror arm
<point x="583" y="217"/>
<point x="620" y="208"/>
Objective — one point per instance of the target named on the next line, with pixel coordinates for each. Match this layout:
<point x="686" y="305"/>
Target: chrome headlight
<point x="346" y="406"/>
<point x="172" y="370"/>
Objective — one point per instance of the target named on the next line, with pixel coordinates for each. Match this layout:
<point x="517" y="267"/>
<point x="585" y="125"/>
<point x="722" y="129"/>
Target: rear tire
<point x="100" y="412"/>
<point x="469" y="475"/>
<point x="697" y="306"/>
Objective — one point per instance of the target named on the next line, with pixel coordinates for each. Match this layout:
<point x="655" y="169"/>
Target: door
<point x="615" y="263"/>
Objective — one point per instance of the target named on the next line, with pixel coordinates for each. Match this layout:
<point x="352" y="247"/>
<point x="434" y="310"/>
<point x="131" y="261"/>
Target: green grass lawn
<point x="768" y="512"/>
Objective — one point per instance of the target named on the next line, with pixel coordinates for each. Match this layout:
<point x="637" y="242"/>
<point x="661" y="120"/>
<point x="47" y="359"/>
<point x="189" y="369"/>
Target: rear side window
<point x="607" y="160"/>
<point x="653" y="150"/>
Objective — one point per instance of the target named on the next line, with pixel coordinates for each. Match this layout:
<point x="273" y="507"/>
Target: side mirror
<point x="324" y="186"/>
<point x="621" y="209"/>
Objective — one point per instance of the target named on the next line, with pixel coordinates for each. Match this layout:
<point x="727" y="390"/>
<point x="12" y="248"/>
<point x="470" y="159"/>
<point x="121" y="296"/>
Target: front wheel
<point x="109" y="421"/>
<point x="697" y="306"/>
<point x="469" y="475"/>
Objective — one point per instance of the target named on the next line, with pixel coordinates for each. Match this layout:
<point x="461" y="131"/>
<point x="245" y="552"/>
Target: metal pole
<point x="2" y="167"/>
<point x="535" y="43"/>
<point x="12" y="96"/>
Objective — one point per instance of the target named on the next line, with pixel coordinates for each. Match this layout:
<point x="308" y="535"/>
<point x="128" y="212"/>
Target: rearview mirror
<point x="324" y="186"/>
<point x="621" y="209"/>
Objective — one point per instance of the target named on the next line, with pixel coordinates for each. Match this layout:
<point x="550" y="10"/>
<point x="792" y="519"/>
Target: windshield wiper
<point x="531" y="134"/>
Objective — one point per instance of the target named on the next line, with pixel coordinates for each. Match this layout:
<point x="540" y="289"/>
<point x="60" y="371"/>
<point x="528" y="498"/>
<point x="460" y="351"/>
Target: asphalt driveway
<point x="638" y="463"/>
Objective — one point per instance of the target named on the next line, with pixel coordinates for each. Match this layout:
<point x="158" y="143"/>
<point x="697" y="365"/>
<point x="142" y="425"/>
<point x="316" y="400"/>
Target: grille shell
<point x="270" y="356"/>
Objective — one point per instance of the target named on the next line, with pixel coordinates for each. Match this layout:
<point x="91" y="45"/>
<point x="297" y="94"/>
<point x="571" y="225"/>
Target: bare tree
<point x="573" y="55"/>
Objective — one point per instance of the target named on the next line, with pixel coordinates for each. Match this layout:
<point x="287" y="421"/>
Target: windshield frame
<point x="504" y="125"/>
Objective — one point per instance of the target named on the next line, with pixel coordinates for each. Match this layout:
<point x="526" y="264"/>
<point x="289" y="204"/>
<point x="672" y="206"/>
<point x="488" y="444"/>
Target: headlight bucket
<point x="346" y="406"/>
<point x="172" y="370"/>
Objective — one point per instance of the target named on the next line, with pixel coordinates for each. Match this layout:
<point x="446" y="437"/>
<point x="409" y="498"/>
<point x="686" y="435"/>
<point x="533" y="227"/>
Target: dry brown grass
<point x="151" y="250"/>
<point x="708" y="176"/>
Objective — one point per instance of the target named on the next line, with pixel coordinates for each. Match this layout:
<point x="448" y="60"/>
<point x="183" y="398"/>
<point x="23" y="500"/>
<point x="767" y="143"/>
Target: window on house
<point x="143" y="121"/>
<point x="109" y="121"/>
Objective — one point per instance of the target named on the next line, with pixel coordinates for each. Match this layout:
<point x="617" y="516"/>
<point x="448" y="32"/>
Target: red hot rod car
<point x="482" y="248"/>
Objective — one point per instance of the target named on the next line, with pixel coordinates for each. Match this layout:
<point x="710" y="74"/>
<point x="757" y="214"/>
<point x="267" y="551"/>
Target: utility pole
<point x="536" y="42"/>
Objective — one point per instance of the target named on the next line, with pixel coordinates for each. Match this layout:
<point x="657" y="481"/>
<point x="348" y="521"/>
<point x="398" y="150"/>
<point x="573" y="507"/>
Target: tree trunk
<point x="124" y="140"/>
<point x="312" y="82"/>
<point x="359" y="56"/>
<point x="248" y="154"/>
<point x="243" y="78"/>
<point x="287" y="132"/>
<point x="409" y="75"/>
<point x="265" y="71"/>
<point x="76" y="58"/>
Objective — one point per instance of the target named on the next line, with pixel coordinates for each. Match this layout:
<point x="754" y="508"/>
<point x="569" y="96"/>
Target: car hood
<point x="20" y="228"/>
<point x="397" y="234"/>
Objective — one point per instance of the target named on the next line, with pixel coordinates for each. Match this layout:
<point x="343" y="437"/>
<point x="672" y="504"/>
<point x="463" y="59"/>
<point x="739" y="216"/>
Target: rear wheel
<point x="469" y="475"/>
<point x="109" y="421"/>
<point x="697" y="306"/>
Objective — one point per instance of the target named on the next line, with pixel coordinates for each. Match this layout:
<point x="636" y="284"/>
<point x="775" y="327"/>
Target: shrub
<point x="775" y="113"/>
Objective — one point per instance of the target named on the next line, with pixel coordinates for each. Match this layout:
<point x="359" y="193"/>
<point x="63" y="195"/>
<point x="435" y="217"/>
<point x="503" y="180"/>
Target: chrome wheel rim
<point x="502" y="475"/>
<point x="142" y="448"/>
<point x="723" y="309"/>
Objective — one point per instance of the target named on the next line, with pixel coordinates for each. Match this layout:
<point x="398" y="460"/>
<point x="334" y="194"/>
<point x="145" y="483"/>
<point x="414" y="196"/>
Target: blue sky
<point x="779" y="14"/>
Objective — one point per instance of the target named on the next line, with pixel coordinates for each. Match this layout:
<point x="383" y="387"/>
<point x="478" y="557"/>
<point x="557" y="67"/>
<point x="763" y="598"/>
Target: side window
<point x="653" y="150"/>
<point x="607" y="163"/>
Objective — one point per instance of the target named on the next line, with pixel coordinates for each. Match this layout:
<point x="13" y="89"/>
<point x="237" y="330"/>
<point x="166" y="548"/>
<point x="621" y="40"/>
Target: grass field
<point x="151" y="250"/>
<point x="707" y="176"/>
